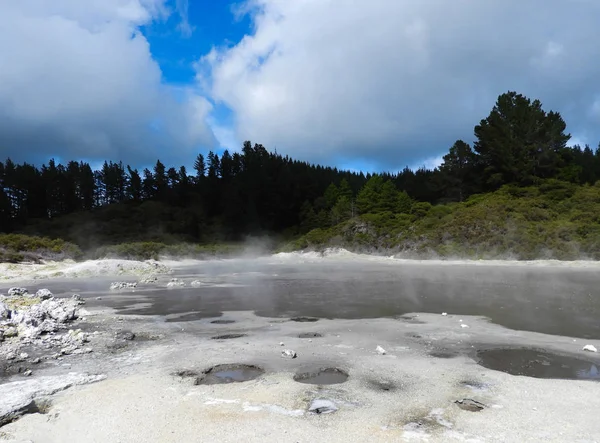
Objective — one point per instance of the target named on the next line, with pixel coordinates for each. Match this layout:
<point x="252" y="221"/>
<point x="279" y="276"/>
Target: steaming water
<point x="561" y="300"/>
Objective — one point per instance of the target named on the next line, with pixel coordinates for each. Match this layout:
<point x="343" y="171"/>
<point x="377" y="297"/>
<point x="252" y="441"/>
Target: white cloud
<point x="399" y="81"/>
<point x="182" y="7"/>
<point x="77" y="79"/>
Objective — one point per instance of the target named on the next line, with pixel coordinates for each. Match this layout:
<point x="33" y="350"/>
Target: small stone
<point x="28" y="372"/>
<point x="36" y="360"/>
<point x="464" y="326"/>
<point x="444" y="313"/>
<point x="125" y="335"/>
<point x="380" y="350"/>
<point x="322" y="406"/>
<point x="11" y="356"/>
<point x="98" y="298"/>
<point x="123" y="285"/>
<point x="24" y="355"/>
<point x="281" y="343"/>
<point x="288" y="353"/>
<point x="175" y="282"/>
<point x="590" y="348"/>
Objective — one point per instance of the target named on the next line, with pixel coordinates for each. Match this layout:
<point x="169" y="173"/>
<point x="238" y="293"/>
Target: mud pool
<point x="204" y="356"/>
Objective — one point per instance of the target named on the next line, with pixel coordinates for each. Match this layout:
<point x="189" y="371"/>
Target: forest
<point x="520" y="190"/>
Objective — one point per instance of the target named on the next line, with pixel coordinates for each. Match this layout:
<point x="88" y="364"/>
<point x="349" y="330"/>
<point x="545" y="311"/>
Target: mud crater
<point x="310" y="335"/>
<point x="539" y="364"/>
<point x="322" y="376"/>
<point x="229" y="373"/>
<point x="303" y="319"/>
<point x="228" y="336"/>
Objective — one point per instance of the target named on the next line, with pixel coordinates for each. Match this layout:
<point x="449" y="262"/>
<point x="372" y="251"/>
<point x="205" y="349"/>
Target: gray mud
<point x="437" y="382"/>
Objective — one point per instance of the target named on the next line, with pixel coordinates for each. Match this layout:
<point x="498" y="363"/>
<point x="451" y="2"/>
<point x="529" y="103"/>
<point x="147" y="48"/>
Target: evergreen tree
<point x="519" y="142"/>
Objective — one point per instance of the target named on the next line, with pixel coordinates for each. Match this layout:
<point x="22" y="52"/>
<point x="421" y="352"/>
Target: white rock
<point x="281" y="343"/>
<point x="122" y="285"/>
<point x="590" y="348"/>
<point x="322" y="406"/>
<point x="15" y="397"/>
<point x="24" y="355"/>
<point x="78" y="299"/>
<point x="380" y="350"/>
<point x="196" y="283"/>
<point x="288" y="353"/>
<point x="11" y="332"/>
<point x="28" y="372"/>
<point x="4" y="311"/>
<point x="175" y="283"/>
<point x="149" y="279"/>
<point x="14" y="292"/>
<point x="444" y="313"/>
<point x="44" y="294"/>
<point x="464" y="326"/>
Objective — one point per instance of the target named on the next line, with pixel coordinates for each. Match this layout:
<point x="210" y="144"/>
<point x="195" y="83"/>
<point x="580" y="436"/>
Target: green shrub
<point x="19" y="247"/>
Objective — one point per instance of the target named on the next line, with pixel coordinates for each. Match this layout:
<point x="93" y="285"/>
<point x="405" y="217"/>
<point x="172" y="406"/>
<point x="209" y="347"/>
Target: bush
<point x="19" y="247"/>
<point x="155" y="250"/>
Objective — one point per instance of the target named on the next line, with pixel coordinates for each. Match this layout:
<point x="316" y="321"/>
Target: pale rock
<point x="78" y="299"/>
<point x="28" y="372"/>
<point x="24" y="355"/>
<point x="590" y="348"/>
<point x="464" y="326"/>
<point x="444" y="313"/>
<point x="4" y="311"/>
<point x="175" y="283"/>
<point x="149" y="279"/>
<point x="15" y="292"/>
<point x="11" y="332"/>
<point x="44" y="294"/>
<point x="288" y="353"/>
<point x="322" y="406"/>
<point x="123" y="285"/>
<point x="380" y="350"/>
<point x="196" y="283"/>
<point x="16" y="398"/>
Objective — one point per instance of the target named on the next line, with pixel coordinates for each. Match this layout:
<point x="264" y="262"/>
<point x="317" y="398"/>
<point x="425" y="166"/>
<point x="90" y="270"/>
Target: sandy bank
<point x="405" y="395"/>
<point x="10" y="272"/>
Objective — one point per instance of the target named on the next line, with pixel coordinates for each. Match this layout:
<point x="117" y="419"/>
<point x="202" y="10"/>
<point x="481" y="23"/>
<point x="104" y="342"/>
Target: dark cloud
<point x="77" y="80"/>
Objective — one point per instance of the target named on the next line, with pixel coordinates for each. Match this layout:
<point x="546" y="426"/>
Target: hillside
<point x="555" y="220"/>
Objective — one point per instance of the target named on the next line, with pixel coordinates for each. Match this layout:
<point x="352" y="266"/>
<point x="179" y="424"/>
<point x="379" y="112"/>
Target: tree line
<point x="257" y="191"/>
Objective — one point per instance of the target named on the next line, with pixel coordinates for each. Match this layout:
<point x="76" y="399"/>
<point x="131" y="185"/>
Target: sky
<point x="367" y="85"/>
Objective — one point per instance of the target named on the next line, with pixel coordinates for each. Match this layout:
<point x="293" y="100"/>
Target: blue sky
<point x="374" y="85"/>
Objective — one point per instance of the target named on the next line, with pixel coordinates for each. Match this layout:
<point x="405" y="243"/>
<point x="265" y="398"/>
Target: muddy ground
<point x="153" y="378"/>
